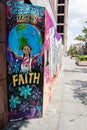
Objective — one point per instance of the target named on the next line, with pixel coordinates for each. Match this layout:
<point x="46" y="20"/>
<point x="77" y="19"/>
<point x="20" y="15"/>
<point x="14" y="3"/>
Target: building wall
<point x="53" y="4"/>
<point x="66" y="23"/>
<point x="3" y="81"/>
<point x="62" y="14"/>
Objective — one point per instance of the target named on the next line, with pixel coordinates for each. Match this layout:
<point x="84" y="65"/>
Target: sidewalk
<point x="68" y="107"/>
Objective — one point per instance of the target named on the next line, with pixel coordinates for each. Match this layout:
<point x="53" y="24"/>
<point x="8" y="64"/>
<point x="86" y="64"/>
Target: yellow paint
<point x="21" y="79"/>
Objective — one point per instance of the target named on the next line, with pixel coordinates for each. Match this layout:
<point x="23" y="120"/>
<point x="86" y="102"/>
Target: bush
<point x="82" y="58"/>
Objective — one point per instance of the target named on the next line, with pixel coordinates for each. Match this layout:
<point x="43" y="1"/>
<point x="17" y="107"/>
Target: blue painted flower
<point x="14" y="101"/>
<point x="15" y="67"/>
<point x="39" y="108"/>
<point x="36" y="93"/>
<point x="24" y="107"/>
<point x="25" y="91"/>
<point x="11" y="89"/>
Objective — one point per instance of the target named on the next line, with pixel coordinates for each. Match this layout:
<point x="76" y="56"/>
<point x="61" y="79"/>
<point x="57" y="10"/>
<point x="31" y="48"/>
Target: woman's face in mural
<point x="26" y="50"/>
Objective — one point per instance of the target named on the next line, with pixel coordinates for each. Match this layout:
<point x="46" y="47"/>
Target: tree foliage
<point x="73" y="51"/>
<point x="83" y="37"/>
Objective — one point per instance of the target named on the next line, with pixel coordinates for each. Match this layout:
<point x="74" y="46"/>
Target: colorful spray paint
<point x="25" y="38"/>
<point x="52" y="56"/>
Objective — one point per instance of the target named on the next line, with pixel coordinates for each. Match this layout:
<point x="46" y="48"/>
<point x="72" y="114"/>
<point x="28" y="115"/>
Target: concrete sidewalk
<point x="68" y="107"/>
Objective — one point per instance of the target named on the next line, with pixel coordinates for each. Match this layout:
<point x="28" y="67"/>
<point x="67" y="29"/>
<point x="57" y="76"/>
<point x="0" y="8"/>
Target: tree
<point x="83" y="37"/>
<point x="72" y="52"/>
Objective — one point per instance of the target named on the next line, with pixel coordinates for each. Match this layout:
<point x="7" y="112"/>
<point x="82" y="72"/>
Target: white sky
<point x="77" y="15"/>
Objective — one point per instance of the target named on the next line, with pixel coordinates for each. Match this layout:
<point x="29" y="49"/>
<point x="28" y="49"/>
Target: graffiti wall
<point x="25" y="38"/>
<point x="52" y="54"/>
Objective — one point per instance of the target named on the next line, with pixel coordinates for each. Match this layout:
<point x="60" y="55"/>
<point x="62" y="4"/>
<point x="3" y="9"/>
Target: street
<point x="67" y="109"/>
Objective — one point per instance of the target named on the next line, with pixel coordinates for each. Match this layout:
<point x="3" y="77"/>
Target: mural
<point x="52" y="56"/>
<point x="25" y="38"/>
<point x="53" y="48"/>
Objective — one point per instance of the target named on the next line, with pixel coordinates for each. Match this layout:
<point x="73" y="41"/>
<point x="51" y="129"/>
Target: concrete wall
<point x="54" y="7"/>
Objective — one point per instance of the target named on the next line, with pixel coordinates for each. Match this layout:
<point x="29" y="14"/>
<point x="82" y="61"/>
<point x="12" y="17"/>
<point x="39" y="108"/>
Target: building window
<point x="62" y="39"/>
<point x="60" y="19"/>
<point x="60" y="28"/>
<point x="60" y="9"/>
<point x="61" y="1"/>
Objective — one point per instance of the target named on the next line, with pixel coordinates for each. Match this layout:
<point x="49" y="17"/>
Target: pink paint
<point x="47" y="74"/>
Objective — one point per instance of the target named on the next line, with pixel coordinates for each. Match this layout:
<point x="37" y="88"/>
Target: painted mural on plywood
<point x="53" y="45"/>
<point x="52" y="56"/>
<point x="25" y="38"/>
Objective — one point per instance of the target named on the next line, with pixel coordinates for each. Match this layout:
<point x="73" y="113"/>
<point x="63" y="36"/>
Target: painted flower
<point x="39" y="108"/>
<point x="36" y="93"/>
<point x="24" y="107"/>
<point x="15" y="67"/>
<point x="14" y="101"/>
<point x="25" y="91"/>
<point x="11" y="89"/>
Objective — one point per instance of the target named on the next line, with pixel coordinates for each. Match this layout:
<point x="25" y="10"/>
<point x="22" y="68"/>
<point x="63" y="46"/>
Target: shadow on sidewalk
<point x="17" y="125"/>
<point x="82" y="69"/>
<point x="80" y="90"/>
<point x="79" y="70"/>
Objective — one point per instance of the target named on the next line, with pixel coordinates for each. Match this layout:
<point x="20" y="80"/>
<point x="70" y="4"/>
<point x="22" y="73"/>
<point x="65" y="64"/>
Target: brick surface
<point x="6" y="118"/>
<point x="2" y="22"/>
<point x="1" y="104"/>
<point x="1" y="122"/>
<point x="2" y="60"/>
<point x="3" y="80"/>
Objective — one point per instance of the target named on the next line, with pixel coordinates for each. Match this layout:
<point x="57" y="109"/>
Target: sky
<point x="77" y="15"/>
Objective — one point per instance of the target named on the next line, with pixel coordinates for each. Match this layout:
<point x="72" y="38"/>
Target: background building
<point x="81" y="48"/>
<point x="62" y="14"/>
